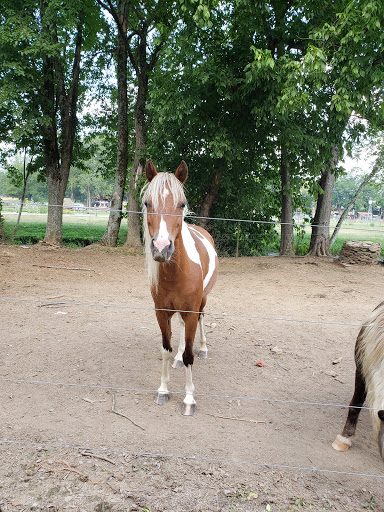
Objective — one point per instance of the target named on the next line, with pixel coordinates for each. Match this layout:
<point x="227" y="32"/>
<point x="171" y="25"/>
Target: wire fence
<point x="186" y="458"/>
<point x="94" y="210"/>
<point x="214" y="396"/>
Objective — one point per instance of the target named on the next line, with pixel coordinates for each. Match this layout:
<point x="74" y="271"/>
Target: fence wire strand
<point x="186" y="457"/>
<point x="201" y="395"/>
<point x="198" y="217"/>
<point x="208" y="313"/>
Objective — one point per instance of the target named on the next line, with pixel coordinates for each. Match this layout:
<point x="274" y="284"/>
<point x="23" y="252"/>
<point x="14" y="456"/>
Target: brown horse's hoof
<point x="177" y="363"/>
<point x="203" y="354"/>
<point x="341" y="443"/>
<point x="161" y="398"/>
<point x="188" y="409"/>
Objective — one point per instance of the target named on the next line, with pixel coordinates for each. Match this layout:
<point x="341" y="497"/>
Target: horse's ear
<point x="150" y="170"/>
<point x="182" y="172"/>
<point x="381" y="415"/>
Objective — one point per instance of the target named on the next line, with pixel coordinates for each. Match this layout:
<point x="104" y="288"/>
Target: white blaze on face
<point x="163" y="236"/>
<point x="164" y="194"/>
<point x="211" y="254"/>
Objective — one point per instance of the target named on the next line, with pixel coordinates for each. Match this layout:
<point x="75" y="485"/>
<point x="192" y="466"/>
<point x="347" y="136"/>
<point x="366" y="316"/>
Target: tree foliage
<point x="262" y="99"/>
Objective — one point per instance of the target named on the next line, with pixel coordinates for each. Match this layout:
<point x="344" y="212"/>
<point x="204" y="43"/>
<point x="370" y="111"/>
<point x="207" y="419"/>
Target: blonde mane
<point x="153" y="192"/>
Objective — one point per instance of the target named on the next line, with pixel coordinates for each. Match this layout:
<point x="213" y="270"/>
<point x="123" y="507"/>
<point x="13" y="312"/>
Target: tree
<point x="120" y="15"/>
<point x="352" y="46"/>
<point x="41" y="44"/>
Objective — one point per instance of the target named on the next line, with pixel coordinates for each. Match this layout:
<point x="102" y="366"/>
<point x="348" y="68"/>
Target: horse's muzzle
<point x="162" y="253"/>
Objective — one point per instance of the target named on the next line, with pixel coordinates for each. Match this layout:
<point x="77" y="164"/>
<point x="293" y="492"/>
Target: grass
<point x="80" y="230"/>
<point x="373" y="232"/>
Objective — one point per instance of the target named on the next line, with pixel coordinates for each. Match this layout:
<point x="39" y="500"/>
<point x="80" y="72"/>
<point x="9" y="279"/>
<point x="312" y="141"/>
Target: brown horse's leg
<point x="164" y="321"/>
<point x="189" y="404"/>
<point x="343" y="440"/>
<point x="381" y="433"/>
<point x="203" y="352"/>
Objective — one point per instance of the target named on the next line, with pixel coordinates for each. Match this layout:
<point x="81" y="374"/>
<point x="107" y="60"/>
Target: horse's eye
<point x="182" y="206"/>
<point x="146" y="204"/>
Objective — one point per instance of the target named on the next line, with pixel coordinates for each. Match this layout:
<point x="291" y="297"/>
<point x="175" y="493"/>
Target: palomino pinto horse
<point x="182" y="267"/>
<point x="369" y="381"/>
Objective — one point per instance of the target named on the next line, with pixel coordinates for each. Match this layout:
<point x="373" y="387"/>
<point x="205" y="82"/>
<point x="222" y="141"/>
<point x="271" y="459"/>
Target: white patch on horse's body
<point x="211" y="254"/>
<point x="189" y="244"/>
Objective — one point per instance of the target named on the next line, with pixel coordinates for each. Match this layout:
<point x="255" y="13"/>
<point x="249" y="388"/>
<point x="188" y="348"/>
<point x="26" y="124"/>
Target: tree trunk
<point x="319" y="245"/>
<point x="112" y="232"/>
<point x="287" y="247"/>
<point x="2" y="232"/>
<point x="56" y="193"/>
<point x="26" y="173"/>
<point x="133" y="218"/>
<point x="54" y="94"/>
<point x="143" y="61"/>
<point x="209" y="199"/>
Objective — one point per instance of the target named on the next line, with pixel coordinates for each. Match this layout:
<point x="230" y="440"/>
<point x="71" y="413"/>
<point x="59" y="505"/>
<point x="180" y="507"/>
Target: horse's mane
<point x="153" y="191"/>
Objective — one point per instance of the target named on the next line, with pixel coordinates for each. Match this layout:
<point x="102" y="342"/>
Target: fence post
<point x="237" y="239"/>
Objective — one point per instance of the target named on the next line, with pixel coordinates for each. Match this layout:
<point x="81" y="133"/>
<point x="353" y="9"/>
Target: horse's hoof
<point x="161" y="398"/>
<point x="177" y="363"/>
<point x="203" y="354"/>
<point x="341" y="443"/>
<point x="188" y="409"/>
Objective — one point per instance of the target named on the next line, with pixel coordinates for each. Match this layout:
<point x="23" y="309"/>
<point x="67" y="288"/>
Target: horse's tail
<point x="370" y="356"/>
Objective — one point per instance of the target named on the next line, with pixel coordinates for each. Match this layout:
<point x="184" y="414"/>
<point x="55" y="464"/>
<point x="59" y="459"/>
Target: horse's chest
<point x="178" y="293"/>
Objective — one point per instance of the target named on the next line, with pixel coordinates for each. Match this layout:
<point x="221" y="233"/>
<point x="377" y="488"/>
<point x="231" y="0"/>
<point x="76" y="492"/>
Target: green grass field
<point x="80" y="230"/>
<point x="372" y="231"/>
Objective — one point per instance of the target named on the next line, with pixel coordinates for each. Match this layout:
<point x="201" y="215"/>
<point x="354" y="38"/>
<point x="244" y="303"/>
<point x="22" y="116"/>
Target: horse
<point x="369" y="381"/>
<point x="182" y="267"/>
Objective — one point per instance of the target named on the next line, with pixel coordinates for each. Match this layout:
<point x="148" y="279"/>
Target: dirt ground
<point x="80" y="342"/>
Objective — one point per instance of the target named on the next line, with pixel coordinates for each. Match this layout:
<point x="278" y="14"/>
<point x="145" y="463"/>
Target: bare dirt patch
<point x="93" y="339"/>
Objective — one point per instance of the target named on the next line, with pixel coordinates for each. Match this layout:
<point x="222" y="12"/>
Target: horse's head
<point x="164" y="205"/>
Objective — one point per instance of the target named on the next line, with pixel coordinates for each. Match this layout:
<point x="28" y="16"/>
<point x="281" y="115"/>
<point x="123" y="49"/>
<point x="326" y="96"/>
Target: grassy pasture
<point x="81" y="229"/>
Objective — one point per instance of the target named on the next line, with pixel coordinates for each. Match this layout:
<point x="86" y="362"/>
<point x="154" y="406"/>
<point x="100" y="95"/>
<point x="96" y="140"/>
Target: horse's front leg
<point x="164" y="320"/>
<point x="178" y="361"/>
<point x="189" y="403"/>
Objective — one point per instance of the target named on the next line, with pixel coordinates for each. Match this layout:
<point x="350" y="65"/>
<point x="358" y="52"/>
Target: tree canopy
<point x="262" y="99"/>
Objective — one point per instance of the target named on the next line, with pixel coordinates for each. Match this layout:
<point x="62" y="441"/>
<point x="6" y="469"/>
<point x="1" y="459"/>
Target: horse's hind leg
<point x="164" y="320"/>
<point x="343" y="440"/>
<point x="203" y="352"/>
<point x="178" y="361"/>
